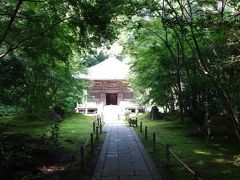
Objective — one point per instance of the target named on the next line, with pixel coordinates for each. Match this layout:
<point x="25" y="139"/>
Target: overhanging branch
<point x="12" y="18"/>
<point x="12" y="48"/>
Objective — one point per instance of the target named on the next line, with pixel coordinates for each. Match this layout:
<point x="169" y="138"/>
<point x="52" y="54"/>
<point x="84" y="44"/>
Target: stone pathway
<point x="123" y="156"/>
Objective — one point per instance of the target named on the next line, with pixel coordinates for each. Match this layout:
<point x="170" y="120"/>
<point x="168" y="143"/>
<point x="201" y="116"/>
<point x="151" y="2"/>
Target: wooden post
<point x="97" y="133"/>
<point x="136" y="122"/>
<point x="145" y="132"/>
<point x="154" y="138"/>
<point x="94" y="126"/>
<point x="98" y="121"/>
<point x="167" y="157"/>
<point x="140" y="126"/>
<point x="100" y="127"/>
<point x="82" y="156"/>
<point x="91" y="142"/>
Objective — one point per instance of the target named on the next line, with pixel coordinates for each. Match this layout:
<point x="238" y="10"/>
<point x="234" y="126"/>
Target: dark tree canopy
<point x="40" y="43"/>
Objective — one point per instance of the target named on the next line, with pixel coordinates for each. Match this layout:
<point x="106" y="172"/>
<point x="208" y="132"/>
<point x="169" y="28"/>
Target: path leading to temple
<point x="123" y="155"/>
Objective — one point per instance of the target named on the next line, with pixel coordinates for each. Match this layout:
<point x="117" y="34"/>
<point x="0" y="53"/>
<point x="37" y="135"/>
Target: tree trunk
<point x="221" y="91"/>
<point x="180" y="99"/>
<point x="202" y="62"/>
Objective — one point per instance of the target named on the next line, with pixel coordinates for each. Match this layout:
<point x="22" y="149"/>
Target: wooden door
<point x="111" y="99"/>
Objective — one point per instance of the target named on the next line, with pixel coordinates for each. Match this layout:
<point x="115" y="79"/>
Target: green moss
<point x="214" y="161"/>
<point x="74" y="128"/>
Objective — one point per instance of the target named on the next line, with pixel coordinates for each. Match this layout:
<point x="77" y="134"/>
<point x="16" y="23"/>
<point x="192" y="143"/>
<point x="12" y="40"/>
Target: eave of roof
<point x="109" y="69"/>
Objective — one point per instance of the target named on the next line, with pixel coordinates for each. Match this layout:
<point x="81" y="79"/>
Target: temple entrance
<point x="111" y="98"/>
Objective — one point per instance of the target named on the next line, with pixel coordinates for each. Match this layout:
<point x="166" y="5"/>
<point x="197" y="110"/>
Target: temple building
<point x="109" y="88"/>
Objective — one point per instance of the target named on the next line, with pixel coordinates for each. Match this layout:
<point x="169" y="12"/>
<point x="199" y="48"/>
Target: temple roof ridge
<point x="109" y="69"/>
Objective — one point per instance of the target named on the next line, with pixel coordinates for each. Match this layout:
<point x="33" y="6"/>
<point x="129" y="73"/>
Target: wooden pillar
<point x="120" y="97"/>
<point x="103" y="98"/>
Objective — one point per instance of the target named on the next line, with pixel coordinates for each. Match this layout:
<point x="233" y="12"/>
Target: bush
<point x="155" y="114"/>
<point x="58" y="110"/>
<point x="127" y="114"/>
<point x="6" y="110"/>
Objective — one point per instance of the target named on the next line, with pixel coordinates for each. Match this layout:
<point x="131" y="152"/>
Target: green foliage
<point x="127" y="115"/>
<point x="52" y="143"/>
<point x="42" y="48"/>
<point x="181" y="59"/>
<point x="93" y="57"/>
<point x="6" y="109"/>
<point x="152" y="66"/>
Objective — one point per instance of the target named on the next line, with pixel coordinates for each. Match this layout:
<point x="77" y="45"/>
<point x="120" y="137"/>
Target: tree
<point x="94" y="57"/>
<point x="44" y="37"/>
<point x="211" y="67"/>
<point x="195" y="35"/>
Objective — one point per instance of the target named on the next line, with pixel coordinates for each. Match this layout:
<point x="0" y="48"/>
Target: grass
<point x="219" y="160"/>
<point x="74" y="131"/>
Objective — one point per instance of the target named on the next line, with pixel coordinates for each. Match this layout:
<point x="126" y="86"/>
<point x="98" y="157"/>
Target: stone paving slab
<point x="123" y="156"/>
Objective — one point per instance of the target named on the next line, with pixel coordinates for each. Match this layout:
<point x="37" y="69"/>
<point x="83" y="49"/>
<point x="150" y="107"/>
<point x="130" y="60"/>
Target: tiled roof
<point x="109" y="69"/>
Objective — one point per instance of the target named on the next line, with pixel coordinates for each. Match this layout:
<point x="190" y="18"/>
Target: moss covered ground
<point x="218" y="160"/>
<point x="25" y="144"/>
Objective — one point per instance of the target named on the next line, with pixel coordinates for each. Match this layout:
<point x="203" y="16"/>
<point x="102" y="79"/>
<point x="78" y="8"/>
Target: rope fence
<point x="168" y="152"/>
<point x="96" y="131"/>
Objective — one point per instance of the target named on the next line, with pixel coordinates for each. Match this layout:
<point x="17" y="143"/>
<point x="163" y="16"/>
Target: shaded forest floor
<point x="33" y="147"/>
<point x="218" y="160"/>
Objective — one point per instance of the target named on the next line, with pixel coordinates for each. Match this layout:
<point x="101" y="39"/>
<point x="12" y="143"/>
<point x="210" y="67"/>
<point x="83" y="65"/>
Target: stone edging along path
<point x="123" y="156"/>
